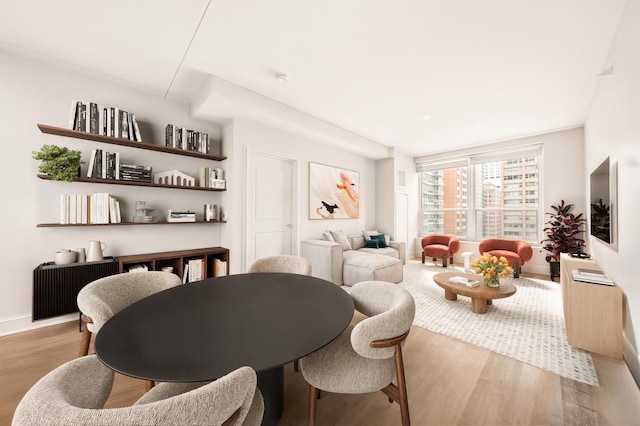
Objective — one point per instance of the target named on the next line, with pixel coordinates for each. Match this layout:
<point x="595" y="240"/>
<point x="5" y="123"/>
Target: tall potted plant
<point x="562" y="235"/>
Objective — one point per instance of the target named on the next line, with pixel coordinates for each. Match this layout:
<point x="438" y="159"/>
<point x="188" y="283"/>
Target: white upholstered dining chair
<point x="75" y="394"/>
<point x="366" y="356"/>
<point x="103" y="298"/>
<point x="282" y="263"/>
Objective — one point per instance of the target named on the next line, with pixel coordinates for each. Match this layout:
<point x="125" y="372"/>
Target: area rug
<point x="528" y="326"/>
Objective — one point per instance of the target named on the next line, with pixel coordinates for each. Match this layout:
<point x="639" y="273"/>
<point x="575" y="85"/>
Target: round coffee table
<point x="481" y="295"/>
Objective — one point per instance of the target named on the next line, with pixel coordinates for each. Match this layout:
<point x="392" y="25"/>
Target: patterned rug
<point x="528" y="326"/>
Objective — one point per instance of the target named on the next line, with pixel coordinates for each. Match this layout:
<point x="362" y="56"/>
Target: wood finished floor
<point x="450" y="382"/>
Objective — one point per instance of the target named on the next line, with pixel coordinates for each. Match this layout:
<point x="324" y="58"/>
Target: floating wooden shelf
<point x="132" y="183"/>
<point x="67" y="225"/>
<point x="125" y="142"/>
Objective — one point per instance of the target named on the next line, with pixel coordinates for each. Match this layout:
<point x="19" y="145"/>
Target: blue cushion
<point x="372" y="244"/>
<point x="382" y="242"/>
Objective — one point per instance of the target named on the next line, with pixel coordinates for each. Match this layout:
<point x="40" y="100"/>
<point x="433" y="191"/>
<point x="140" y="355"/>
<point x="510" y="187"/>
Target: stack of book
<point x="135" y="173"/>
<point x="98" y="119"/>
<point x="464" y="281"/>
<point x="591" y="276"/>
<point x="89" y="208"/>
<point x="191" y="140"/>
<point x="208" y="178"/>
<point x="173" y="216"/>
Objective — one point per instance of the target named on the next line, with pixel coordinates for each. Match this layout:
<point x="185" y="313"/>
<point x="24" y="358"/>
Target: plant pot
<point x="554" y="270"/>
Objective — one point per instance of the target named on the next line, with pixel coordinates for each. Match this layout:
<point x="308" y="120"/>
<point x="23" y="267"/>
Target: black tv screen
<point x="600" y="186"/>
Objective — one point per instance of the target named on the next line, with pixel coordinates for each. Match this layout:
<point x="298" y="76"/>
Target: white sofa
<point x="345" y="264"/>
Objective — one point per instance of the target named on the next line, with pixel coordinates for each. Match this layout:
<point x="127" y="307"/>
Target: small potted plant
<point x="61" y="163"/>
<point x="562" y="235"/>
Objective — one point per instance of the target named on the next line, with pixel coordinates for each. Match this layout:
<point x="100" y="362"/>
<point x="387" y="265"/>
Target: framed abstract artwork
<point x="333" y="192"/>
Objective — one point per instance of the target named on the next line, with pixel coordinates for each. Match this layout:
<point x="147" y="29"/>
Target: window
<point x="487" y="187"/>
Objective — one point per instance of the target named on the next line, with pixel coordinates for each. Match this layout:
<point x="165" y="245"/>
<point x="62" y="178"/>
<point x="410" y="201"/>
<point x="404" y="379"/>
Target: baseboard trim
<point x="19" y="324"/>
<point x="633" y="360"/>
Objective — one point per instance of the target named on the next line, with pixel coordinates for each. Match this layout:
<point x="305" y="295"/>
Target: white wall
<point x="244" y="135"/>
<point x="34" y="92"/>
<point x="613" y="129"/>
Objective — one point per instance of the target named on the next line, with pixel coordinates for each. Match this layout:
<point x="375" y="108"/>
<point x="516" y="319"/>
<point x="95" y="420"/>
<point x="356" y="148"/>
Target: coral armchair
<point x="517" y="252"/>
<point x="436" y="246"/>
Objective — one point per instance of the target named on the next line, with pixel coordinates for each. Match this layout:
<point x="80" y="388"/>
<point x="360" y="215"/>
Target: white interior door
<point x="271" y="197"/>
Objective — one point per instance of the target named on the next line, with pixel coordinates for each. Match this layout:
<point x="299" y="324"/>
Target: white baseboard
<point x="20" y="324"/>
<point x="633" y="360"/>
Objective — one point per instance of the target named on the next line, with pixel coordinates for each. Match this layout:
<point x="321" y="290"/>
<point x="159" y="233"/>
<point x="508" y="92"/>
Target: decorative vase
<point x="493" y="281"/>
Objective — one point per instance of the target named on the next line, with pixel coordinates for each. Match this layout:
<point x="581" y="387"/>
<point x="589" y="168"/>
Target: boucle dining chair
<point x="103" y="298"/>
<point x="282" y="263"/>
<point x="75" y="394"/>
<point x="366" y="356"/>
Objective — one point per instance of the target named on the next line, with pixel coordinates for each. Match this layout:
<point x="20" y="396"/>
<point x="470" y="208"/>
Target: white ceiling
<point x="362" y="73"/>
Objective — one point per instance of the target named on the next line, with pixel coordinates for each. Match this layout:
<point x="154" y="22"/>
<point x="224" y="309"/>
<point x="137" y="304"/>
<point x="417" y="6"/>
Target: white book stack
<point x="465" y="281"/>
<point x="591" y="276"/>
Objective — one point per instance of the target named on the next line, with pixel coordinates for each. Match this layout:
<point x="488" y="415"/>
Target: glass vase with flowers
<point x="491" y="268"/>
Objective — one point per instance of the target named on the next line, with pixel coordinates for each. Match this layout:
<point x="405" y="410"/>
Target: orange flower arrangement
<point x="491" y="268"/>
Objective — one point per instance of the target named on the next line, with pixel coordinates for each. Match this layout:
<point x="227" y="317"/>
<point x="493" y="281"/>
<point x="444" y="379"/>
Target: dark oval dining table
<point x="204" y="330"/>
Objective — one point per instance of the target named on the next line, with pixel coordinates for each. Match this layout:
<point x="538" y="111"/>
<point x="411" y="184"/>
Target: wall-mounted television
<point x="603" y="202"/>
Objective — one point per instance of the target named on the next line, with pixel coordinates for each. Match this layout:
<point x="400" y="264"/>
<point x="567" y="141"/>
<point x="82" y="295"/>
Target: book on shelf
<point x="175" y="216"/>
<point x="219" y="267"/>
<point x="185" y="272"/>
<point x="196" y="272"/>
<point x="136" y="128"/>
<point x="464" y="281"/>
<point x="138" y="267"/>
<point x="590" y="272"/>
<point x="73" y="114"/>
<point x="591" y="278"/>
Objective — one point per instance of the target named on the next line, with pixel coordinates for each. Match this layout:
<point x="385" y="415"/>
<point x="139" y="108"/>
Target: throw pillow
<point x="341" y="238"/>
<point x="382" y="242"/>
<point x="326" y="235"/>
<point x="368" y="234"/>
<point x="387" y="238"/>
<point x="372" y="244"/>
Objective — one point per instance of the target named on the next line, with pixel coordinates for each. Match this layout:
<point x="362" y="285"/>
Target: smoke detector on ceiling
<point x="282" y="77"/>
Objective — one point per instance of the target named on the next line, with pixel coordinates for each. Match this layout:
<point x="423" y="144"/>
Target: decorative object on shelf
<point x="223" y="215"/>
<point x="82" y="255"/>
<point x="210" y="212"/>
<point x="491" y="268"/>
<point x="174" y="177"/>
<point x="333" y="192"/>
<point x="561" y="235"/>
<point x="143" y="213"/>
<point x="61" y="163"/>
<point x="94" y="251"/>
<point x="64" y="257"/>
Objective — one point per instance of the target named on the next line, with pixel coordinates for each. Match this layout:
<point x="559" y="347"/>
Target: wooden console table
<point x="593" y="313"/>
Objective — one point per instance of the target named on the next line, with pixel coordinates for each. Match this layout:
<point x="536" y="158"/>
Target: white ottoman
<point x="371" y="267"/>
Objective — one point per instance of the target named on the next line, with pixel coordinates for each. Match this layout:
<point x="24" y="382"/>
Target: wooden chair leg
<point x="402" y="387"/>
<point x="86" y="336"/>
<point x="422" y="257"/>
<point x="84" y="342"/>
<point x="444" y="261"/>
<point x="313" y="405"/>
<point x="296" y="366"/>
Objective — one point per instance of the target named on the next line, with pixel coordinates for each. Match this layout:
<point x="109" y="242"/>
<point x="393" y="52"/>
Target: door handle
<point x="289" y="225"/>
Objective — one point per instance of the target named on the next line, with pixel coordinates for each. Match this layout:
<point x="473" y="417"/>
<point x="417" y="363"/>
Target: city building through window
<point x="487" y="195"/>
